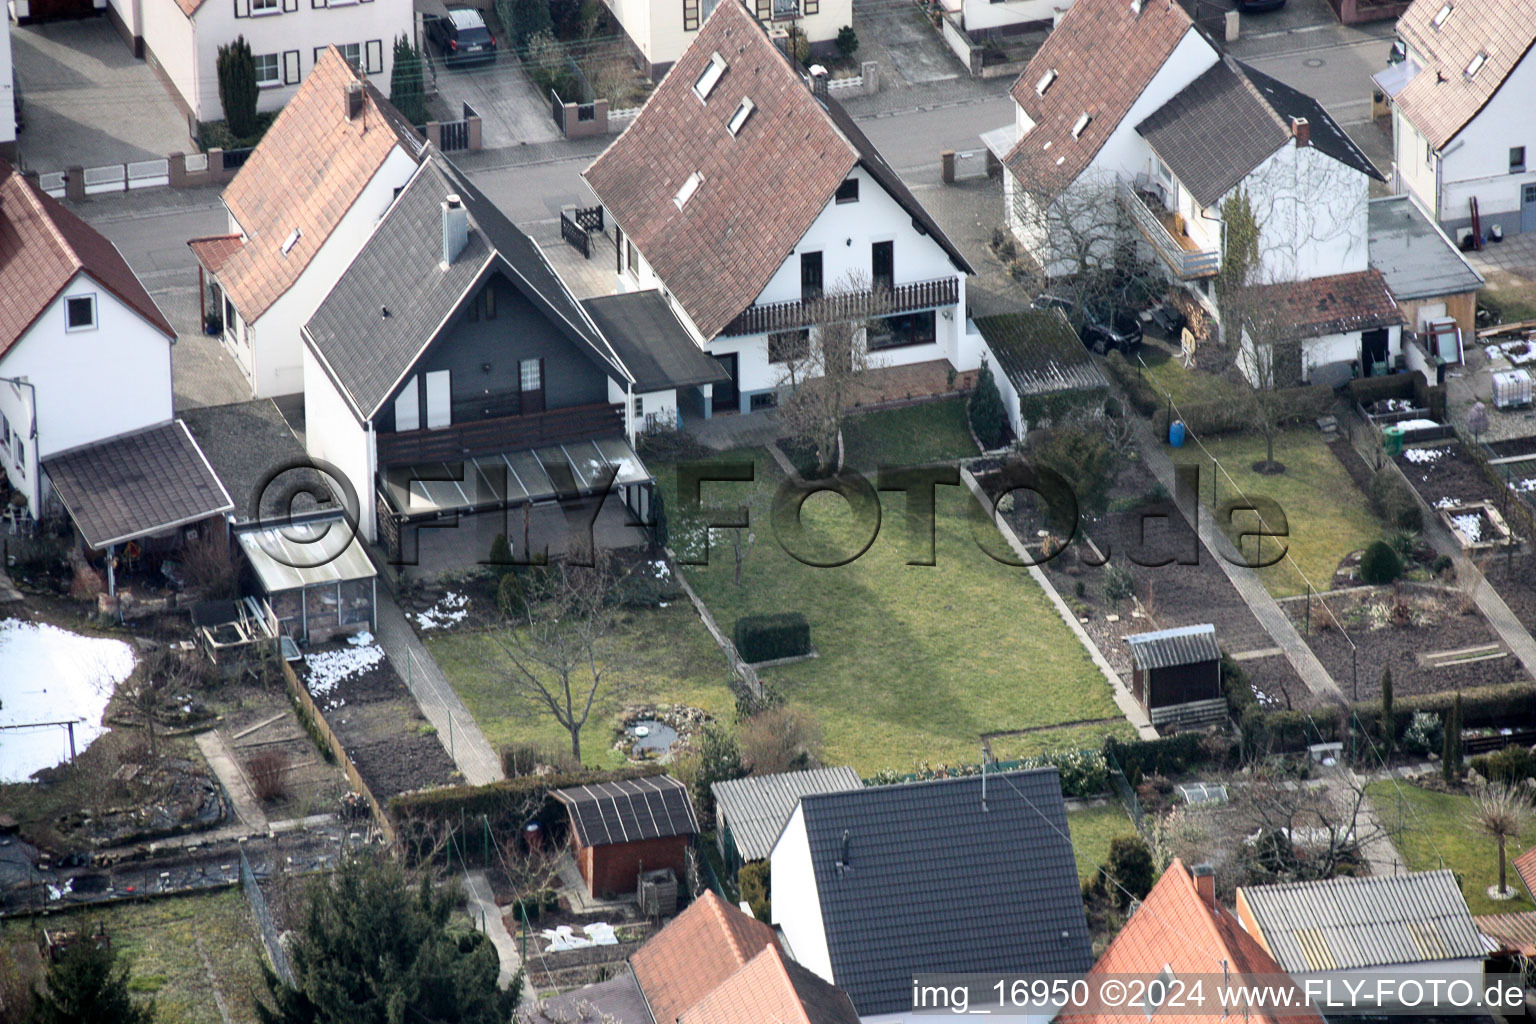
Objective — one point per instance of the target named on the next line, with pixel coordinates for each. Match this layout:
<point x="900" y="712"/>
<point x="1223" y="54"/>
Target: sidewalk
<point x="477" y="760"/>
<point x="487" y="915"/>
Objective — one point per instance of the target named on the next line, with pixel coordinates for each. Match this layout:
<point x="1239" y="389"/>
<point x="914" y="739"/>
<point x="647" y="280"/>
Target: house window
<point x="689" y="188"/>
<point x="269" y="69"/>
<point x="784" y="346"/>
<point x="903" y="330"/>
<point x="1429" y="154"/>
<point x="80" y="312"/>
<point x="490" y="302"/>
<point x="1516" y="159"/>
<point x="439" y="404"/>
<point x="690" y="15"/>
<point x="739" y="119"/>
<point x="710" y="78"/>
<point x="631" y="257"/>
<point x="763" y="400"/>
<point x="530" y="374"/>
<point x="5" y="432"/>
<point x="848" y="191"/>
<point x="810" y="276"/>
<point x="353" y="52"/>
<point x="785" y="8"/>
<point x="882" y="265"/>
<point x="408" y="407"/>
<point x="639" y="408"/>
<point x="264" y="7"/>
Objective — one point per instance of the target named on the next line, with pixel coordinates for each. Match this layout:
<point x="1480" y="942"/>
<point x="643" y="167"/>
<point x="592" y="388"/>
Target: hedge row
<point x="769" y="637"/>
<point x="1211" y="418"/>
<point x="1168" y="755"/>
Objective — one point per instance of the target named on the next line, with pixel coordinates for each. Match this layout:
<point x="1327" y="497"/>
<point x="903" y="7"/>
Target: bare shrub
<point x="208" y="569"/>
<point x="780" y="739"/>
<point x="86" y="582"/>
<point x="269" y="774"/>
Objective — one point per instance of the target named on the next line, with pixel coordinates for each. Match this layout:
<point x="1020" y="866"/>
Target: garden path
<point x="482" y="905"/>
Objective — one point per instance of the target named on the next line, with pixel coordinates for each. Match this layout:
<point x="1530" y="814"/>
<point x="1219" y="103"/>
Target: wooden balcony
<point x="833" y="307"/>
<point x="1179" y="251"/>
<point x="501" y="434"/>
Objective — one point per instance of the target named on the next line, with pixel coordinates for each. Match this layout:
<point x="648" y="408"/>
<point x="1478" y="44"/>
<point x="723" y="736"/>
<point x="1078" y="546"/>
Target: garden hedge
<point x="1213" y="418"/>
<point x="1169" y="755"/>
<point x="769" y="637"/>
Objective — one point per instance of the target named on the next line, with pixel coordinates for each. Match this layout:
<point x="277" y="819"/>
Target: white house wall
<point x="332" y="433"/>
<point x="1312" y="215"/>
<point x="796" y="901"/>
<point x="981" y="15"/>
<point x="170" y="43"/>
<point x="1476" y="162"/>
<point x="7" y="93"/>
<point x="1414" y="163"/>
<point x="1125" y="152"/>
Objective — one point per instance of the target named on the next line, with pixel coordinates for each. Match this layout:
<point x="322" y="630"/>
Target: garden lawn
<point x="163" y="940"/>
<point x="1327" y="516"/>
<point x="1093" y="829"/>
<point x="1436" y="831"/>
<point x="915" y="662"/>
<point x="928" y="432"/>
<point x="662" y="655"/>
<point x="1186" y="386"/>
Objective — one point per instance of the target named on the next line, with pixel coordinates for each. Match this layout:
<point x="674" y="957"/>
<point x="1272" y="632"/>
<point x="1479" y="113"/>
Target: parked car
<point x="1256" y="6"/>
<point x="463" y="37"/>
<point x="1101" y="326"/>
<point x="16" y="92"/>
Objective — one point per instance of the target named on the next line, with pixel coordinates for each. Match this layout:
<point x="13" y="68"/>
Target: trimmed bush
<point x="1512" y="764"/>
<point x="988" y="418"/>
<point x="237" y="87"/>
<point x="770" y="637"/>
<point x="1380" y="564"/>
<point x="753" y="881"/>
<point x="1391" y="498"/>
<point x="1137" y="391"/>
<point x="1170" y="755"/>
<point x="847" y="46"/>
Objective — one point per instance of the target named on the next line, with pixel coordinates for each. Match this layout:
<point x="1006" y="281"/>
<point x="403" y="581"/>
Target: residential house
<point x="984" y="19"/>
<point x="299" y="210"/>
<point x="8" y="125"/>
<point x="1413" y="924"/>
<point x="1039" y="364"/>
<point x="659" y="31"/>
<point x="180" y="39"/>
<point x="1181" y="931"/>
<point x="1461" y="121"/>
<point x="620" y="829"/>
<point x="972" y="875"/>
<point x="450" y="376"/>
<point x="745" y="197"/>
<point x="1176" y="675"/>
<point x="86" y="414"/>
<point x="1165" y="148"/>
<point x="751" y="812"/>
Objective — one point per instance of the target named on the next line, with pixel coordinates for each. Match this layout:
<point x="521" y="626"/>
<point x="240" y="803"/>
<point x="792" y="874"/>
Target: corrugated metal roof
<point x="629" y="810"/>
<point x="757" y="807"/>
<point x="1186" y="645"/>
<point x="1347" y="923"/>
<point x="305" y="554"/>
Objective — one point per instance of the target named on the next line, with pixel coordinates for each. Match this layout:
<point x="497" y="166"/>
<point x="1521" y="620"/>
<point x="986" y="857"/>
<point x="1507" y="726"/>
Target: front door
<point x="727" y="394"/>
<point x="1373" y="352"/>
<point x="531" y="381"/>
<point x="1528" y="208"/>
<point x="883" y="265"/>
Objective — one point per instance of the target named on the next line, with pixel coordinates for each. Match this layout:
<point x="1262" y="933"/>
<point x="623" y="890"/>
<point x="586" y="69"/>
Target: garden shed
<point x="751" y="812"/>
<point x="1176" y="675"/>
<point x="620" y="829"/>
<point x="315" y="575"/>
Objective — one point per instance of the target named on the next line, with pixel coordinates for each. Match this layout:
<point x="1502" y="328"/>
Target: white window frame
<point x="89" y="297"/>
<point x="263" y="8"/>
<point x="277" y="69"/>
<point x="358" y="63"/>
<point x="5" y="432"/>
<point x="739" y="119"/>
<point x="710" y="78"/>
<point x="439" y="399"/>
<point x="408" y="406"/>
<point x="687" y="190"/>
<point x="536" y="377"/>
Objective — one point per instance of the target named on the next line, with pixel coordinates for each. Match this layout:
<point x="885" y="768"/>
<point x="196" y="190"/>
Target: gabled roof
<point x="919" y="878"/>
<point x="1414" y="256"/>
<point x="1184" y="645"/>
<point x="1515" y="932"/>
<point x="696" y="952"/>
<point x="629" y="810"/>
<point x="1330" y="305"/>
<point x="757" y="807"/>
<point x="137" y="484"/>
<point x="1039" y="353"/>
<point x="1100" y="58"/>
<point x="42" y="248"/>
<point x="400" y="269"/>
<point x="307" y="172"/>
<point x="652" y="342"/>
<point x="1346" y="923"/>
<point x="772" y="987"/>
<point x="1175" y="928"/>
<point x="760" y="190"/>
<point x="1441" y="98"/>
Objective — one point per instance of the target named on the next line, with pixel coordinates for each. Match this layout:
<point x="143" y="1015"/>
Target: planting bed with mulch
<point x="1446" y="471"/>
<point x="1515" y="580"/>
<point x="1423" y="632"/>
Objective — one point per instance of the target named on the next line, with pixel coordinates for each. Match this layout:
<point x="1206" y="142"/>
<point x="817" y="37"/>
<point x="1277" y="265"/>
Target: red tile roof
<point x="1103" y="55"/>
<point x="1175" y="928"/>
<point x="1515" y="932"/>
<point x="773" y="988"/>
<point x="213" y="250"/>
<point x="695" y="953"/>
<point x="42" y="247"/>
<point x="1331" y="305"/>
<point x="1440" y="99"/>
<point x="1525" y="867"/>
<point x="308" y="170"/>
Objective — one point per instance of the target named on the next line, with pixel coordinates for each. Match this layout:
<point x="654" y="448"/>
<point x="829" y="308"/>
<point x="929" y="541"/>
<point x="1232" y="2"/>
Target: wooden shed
<point x="1176" y="675"/>
<point x="620" y="829"/>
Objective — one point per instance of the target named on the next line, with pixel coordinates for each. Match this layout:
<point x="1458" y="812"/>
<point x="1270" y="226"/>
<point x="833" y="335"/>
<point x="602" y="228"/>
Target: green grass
<point x="1067" y="737"/>
<point x="662" y="655"/>
<point x="916" y="662"/>
<point x="1326" y="515"/>
<point x="1093" y="828"/>
<point x="930" y="432"/>
<point x="1186" y="386"/>
<point x="1436" y="831"/>
<point x="160" y="938"/>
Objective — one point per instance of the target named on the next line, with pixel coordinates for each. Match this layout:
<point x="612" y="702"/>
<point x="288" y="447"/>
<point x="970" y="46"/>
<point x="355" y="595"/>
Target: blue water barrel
<point x="1176" y="433"/>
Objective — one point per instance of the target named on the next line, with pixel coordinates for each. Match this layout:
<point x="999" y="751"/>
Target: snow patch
<point x="1470" y="525"/>
<point x="1425" y="454"/>
<point x="451" y="608"/>
<point x="328" y="668"/>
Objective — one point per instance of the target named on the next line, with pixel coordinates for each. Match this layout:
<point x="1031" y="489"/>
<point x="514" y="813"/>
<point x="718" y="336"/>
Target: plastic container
<point x="1393" y="440"/>
<point x="1176" y="433"/>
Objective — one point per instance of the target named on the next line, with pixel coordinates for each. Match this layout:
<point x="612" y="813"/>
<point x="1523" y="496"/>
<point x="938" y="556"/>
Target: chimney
<point x="1205" y="883"/>
<point x="1301" y="131"/>
<point x="818" y="81"/>
<point x="455" y="228"/>
<point x="354" y="97"/>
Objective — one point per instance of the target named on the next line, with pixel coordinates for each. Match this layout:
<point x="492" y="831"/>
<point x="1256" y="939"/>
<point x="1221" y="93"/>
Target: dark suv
<point x="462" y="36"/>
<point x="1101" y="326"/>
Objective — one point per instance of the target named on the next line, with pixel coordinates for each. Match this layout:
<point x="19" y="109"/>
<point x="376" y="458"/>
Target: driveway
<point x="511" y="110"/>
<point x="904" y="42"/>
<point x="88" y="101"/>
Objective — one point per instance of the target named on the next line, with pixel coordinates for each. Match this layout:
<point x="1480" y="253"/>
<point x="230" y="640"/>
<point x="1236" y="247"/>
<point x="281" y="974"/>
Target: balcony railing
<point x="501" y="434"/>
<point x="1178" y="252"/>
<point x="833" y="307"/>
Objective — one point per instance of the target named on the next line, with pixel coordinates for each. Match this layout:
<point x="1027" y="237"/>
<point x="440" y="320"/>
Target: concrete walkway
<point x="476" y="759"/>
<point x="487" y="917"/>
<point x="222" y="762"/>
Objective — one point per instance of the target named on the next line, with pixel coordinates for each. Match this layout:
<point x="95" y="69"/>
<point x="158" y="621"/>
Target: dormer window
<point x="689" y="188"/>
<point x="711" y="76"/>
<point x="1081" y="125"/>
<point x="1440" y="16"/>
<point x="1476" y="64"/>
<point x="1045" y="82"/>
<point x="739" y="118"/>
<point x="292" y="240"/>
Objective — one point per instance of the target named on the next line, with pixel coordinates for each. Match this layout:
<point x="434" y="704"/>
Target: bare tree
<point x="558" y="650"/>
<point x="1299" y="830"/>
<point x="1501" y="811"/>
<point x="822" y="373"/>
<point x="161" y="672"/>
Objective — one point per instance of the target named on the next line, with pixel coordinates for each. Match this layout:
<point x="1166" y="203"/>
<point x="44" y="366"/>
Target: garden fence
<point x="276" y="955"/>
<point x="1125" y="791"/>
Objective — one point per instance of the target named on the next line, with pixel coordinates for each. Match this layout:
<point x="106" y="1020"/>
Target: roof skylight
<point x="1045" y="82"/>
<point x="707" y="81"/>
<point x="1441" y="15"/>
<point x="739" y="118"/>
<point x="1476" y="64"/>
<point x="1081" y="124"/>
<point x="689" y="188"/>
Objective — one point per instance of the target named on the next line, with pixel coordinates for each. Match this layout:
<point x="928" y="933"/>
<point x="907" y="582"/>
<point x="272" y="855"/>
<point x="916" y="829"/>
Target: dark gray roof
<point x="918" y="878"/>
<point x="1231" y="119"/>
<point x="1185" y="645"/>
<point x="400" y="268"/>
<point x="757" y="807"/>
<point x="1413" y="254"/>
<point x="137" y="484"/>
<point x="1039" y="353"/>
<point x="652" y="342"/>
<point x="618" y="999"/>
<point x="256" y="454"/>
<point x="1348" y="923"/>
<point x="629" y="810"/>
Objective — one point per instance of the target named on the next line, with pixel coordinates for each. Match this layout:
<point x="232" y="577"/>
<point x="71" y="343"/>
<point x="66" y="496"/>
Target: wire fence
<point x="276" y="955"/>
